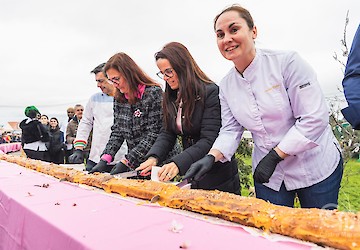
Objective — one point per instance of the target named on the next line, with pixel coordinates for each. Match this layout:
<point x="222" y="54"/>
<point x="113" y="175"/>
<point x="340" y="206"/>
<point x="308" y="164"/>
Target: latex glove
<point x="198" y="169"/>
<point x="266" y="167"/>
<point x="77" y="156"/>
<point x="119" y="168"/>
<point x="100" y="167"/>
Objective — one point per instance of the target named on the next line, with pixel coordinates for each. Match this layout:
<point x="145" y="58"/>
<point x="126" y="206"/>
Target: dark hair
<point x="78" y="105"/>
<point x="191" y="82"/>
<point x="132" y="73"/>
<point x="54" y="118"/>
<point x="244" y="13"/>
<point x="98" y="68"/>
<point x="57" y="126"/>
<point x="45" y="116"/>
<point x="32" y="114"/>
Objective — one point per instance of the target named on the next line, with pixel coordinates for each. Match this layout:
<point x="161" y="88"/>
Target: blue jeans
<point x="321" y="195"/>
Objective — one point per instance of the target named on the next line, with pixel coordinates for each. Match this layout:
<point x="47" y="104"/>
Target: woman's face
<point x="168" y="73"/>
<point x="53" y="123"/>
<point x="118" y="80"/>
<point x="235" y="39"/>
<point x="44" y="120"/>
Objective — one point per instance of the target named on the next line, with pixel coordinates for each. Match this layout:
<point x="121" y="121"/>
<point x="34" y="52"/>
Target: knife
<point x="184" y="184"/>
<point x="129" y="174"/>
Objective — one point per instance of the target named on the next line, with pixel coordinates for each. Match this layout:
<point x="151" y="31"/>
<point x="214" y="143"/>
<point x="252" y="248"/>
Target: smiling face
<point x="79" y="111"/>
<point x="44" y="120"/>
<point x="235" y="39"/>
<point x="118" y="80"/>
<point x="169" y="74"/>
<point x="53" y="123"/>
<point x="103" y="84"/>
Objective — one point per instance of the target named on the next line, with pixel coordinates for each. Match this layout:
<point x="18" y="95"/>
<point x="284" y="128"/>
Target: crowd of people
<point x="193" y="128"/>
<point x="9" y="137"/>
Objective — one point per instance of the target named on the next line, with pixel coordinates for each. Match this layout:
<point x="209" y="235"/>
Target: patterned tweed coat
<point x="139" y="124"/>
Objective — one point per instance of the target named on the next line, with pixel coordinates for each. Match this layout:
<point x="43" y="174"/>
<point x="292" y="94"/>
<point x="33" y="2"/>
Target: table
<point x="10" y="147"/>
<point x="40" y="212"/>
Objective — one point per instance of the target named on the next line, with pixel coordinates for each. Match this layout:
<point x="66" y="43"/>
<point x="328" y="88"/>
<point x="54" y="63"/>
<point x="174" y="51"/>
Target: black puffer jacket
<point x="56" y="142"/>
<point x="33" y="130"/>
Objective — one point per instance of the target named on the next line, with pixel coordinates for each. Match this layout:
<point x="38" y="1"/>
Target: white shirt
<point x="63" y="127"/>
<point x="99" y="116"/>
<point x="280" y="102"/>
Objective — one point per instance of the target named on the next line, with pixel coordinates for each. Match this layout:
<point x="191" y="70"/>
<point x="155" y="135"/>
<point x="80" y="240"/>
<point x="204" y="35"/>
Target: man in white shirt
<point x="99" y="117"/>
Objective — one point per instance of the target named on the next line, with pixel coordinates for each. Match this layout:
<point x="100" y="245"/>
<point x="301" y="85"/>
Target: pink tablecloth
<point x="66" y="216"/>
<point x="10" y="147"/>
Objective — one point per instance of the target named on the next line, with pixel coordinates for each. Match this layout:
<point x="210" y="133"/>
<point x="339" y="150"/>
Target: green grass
<point x="349" y="194"/>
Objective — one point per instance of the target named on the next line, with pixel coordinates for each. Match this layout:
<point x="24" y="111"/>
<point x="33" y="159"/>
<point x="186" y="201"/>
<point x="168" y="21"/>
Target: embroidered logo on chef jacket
<point x="272" y="88"/>
<point x="304" y="85"/>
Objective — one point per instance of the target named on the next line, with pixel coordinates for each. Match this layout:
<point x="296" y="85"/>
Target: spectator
<point x="34" y="134"/>
<point x="70" y="113"/>
<point x="57" y="146"/>
<point x="63" y="126"/>
<point x="44" y="119"/>
<point x="99" y="117"/>
<point x="72" y="129"/>
<point x="137" y="114"/>
<point x="4" y="138"/>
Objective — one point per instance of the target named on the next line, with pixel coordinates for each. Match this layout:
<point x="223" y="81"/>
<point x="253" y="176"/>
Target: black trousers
<point x="36" y="155"/>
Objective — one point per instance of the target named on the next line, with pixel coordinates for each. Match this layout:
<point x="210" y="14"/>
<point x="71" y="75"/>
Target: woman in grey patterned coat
<point x="137" y="114"/>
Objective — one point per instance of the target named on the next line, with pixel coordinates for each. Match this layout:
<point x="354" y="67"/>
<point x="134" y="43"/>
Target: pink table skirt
<point x="66" y="216"/>
<point x="10" y="147"/>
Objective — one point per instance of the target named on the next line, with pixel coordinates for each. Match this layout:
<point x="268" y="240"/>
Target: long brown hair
<point x="133" y="75"/>
<point x="191" y="82"/>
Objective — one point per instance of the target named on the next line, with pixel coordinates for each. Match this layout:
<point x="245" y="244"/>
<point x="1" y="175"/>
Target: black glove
<point x="77" y="156"/>
<point x="100" y="167"/>
<point x="198" y="169"/>
<point x="119" y="168"/>
<point x="89" y="165"/>
<point x="266" y="167"/>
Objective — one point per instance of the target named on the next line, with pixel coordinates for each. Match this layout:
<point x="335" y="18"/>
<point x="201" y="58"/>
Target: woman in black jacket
<point x="56" y="147"/>
<point x="191" y="111"/>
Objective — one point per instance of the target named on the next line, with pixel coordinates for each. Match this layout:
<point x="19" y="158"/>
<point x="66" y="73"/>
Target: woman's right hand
<point x="146" y="166"/>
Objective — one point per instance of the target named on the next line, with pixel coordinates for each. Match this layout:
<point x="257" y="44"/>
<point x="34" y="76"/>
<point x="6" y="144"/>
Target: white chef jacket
<point x="99" y="116"/>
<point x="279" y="100"/>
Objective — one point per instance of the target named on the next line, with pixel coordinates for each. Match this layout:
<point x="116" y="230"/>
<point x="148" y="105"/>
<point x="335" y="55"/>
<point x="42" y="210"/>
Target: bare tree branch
<point x="344" y="49"/>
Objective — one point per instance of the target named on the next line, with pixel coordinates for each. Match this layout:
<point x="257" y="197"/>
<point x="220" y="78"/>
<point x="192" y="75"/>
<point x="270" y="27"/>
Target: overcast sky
<point x="48" y="48"/>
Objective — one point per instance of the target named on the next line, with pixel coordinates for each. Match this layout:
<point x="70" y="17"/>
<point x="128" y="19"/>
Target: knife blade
<point x="129" y="174"/>
<point x="184" y="184"/>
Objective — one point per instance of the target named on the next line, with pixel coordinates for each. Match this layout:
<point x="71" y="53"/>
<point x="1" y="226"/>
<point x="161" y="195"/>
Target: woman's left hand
<point x="168" y="172"/>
